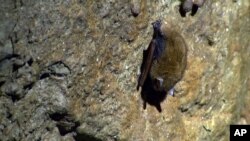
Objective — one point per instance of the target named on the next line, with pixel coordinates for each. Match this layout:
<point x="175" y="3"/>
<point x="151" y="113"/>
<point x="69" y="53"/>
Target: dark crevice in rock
<point x="183" y="110"/>
<point x="18" y="3"/>
<point x="15" y="98"/>
<point x="199" y="104"/>
<point x="1" y="83"/>
<point x="18" y="75"/>
<point x="64" y="123"/>
<point x="58" y="74"/>
<point x="210" y="41"/>
<point x="16" y="66"/>
<point x="208" y="38"/>
<point x="207" y="129"/>
<point x="10" y="56"/>
<point x="57" y="116"/>
<point x="67" y="127"/>
<point x="9" y="115"/>
<point x="44" y="75"/>
<point x="85" y="137"/>
<point x="58" y="69"/>
<point x="190" y="107"/>
<point x="29" y="86"/>
<point x="30" y="61"/>
<point x="30" y="39"/>
<point x="48" y="74"/>
<point x="14" y="39"/>
<point x="13" y="90"/>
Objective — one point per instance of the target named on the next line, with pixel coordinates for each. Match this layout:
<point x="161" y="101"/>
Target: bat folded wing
<point x="147" y="63"/>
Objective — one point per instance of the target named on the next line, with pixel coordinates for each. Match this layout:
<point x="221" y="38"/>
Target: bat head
<point x="159" y="37"/>
<point x="157" y="29"/>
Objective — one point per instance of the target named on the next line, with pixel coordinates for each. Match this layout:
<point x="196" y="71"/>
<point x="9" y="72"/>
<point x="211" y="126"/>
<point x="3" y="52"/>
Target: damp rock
<point x="25" y="76"/>
<point x="6" y="105"/>
<point x="105" y="10"/>
<point x="56" y="136"/>
<point x="64" y="123"/>
<point x="6" y="68"/>
<point x="6" y="25"/>
<point x="13" y="89"/>
<point x="6" y="49"/>
<point x="17" y="63"/>
<point x="77" y="33"/>
<point x="59" y="69"/>
<point x="52" y="135"/>
<point x="47" y="97"/>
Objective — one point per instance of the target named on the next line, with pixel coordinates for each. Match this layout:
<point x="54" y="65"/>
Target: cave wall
<point x="69" y="70"/>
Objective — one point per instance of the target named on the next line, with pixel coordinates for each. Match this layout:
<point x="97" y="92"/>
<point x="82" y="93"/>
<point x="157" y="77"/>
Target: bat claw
<point x="171" y="92"/>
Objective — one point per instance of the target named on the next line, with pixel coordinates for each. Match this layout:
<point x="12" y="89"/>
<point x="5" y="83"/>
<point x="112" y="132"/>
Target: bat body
<point x="165" y="59"/>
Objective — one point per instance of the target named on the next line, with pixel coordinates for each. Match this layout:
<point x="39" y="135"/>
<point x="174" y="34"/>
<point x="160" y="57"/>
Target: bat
<point x="165" y="59"/>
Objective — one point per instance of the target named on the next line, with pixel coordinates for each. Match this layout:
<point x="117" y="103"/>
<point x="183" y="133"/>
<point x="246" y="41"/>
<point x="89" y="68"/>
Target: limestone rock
<point x="74" y="67"/>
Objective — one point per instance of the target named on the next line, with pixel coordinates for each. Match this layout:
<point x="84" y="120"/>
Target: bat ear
<point x="157" y="25"/>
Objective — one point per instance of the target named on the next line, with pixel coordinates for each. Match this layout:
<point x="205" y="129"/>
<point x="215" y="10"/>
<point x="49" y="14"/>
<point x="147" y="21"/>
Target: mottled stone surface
<point x="69" y="69"/>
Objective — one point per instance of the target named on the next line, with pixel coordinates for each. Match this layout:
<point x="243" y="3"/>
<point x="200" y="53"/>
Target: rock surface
<point x="69" y="69"/>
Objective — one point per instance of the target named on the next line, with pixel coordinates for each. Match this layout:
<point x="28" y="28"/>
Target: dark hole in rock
<point x="64" y="124"/>
<point x="13" y="90"/>
<point x="29" y="86"/>
<point x="15" y="98"/>
<point x="15" y="67"/>
<point x="31" y="131"/>
<point x="210" y="42"/>
<point x="44" y="75"/>
<point x="68" y="127"/>
<point x="57" y="116"/>
<point x="9" y="115"/>
<point x="1" y="83"/>
<point x="30" y="61"/>
<point x="183" y="110"/>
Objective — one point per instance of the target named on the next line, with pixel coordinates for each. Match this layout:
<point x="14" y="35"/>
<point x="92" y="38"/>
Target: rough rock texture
<point x="69" y="69"/>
